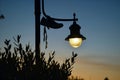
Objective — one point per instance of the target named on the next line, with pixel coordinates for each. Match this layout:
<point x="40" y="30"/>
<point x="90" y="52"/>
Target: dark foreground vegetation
<point x="19" y="63"/>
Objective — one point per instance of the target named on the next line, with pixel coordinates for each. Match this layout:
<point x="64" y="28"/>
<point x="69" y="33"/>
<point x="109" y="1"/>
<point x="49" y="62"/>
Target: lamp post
<point x="75" y="38"/>
<point x="37" y="29"/>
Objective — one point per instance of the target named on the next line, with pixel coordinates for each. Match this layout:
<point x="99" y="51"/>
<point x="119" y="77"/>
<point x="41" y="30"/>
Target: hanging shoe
<point x="50" y="23"/>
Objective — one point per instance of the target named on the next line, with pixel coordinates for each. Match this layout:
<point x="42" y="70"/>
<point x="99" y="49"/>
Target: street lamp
<point x="75" y="38"/>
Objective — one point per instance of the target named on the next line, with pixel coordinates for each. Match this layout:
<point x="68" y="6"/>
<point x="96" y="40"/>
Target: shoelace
<point x="45" y="37"/>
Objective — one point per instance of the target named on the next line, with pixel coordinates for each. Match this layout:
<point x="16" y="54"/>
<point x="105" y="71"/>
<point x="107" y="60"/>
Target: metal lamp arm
<point x="56" y="19"/>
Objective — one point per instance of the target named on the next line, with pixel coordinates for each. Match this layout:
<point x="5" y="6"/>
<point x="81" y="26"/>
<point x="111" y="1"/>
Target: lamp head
<point x="75" y="38"/>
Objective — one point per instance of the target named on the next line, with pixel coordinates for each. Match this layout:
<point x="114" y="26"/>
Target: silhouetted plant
<point x="20" y="64"/>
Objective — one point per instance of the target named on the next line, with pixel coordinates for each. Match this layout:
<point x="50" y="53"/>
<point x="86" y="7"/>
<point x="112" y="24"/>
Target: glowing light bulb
<point x="75" y="42"/>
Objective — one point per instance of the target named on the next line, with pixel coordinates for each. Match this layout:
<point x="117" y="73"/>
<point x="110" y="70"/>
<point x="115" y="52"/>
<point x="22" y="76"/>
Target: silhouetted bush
<point x="19" y="63"/>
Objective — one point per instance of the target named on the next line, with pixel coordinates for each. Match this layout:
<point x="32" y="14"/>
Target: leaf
<point x="14" y="39"/>
<point x="72" y="59"/>
<point x="9" y="47"/>
<point x="53" y="53"/>
<point x="6" y="50"/>
<point x="20" y="46"/>
<point x="75" y="55"/>
<point x="27" y="47"/>
<point x="18" y="38"/>
<point x="7" y="42"/>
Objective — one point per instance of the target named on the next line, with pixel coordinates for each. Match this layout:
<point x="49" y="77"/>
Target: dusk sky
<point x="98" y="56"/>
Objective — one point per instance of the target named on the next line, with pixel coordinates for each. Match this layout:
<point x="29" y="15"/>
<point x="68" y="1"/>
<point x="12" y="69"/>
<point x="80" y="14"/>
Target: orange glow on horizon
<point x="93" y="70"/>
<point x="96" y="72"/>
